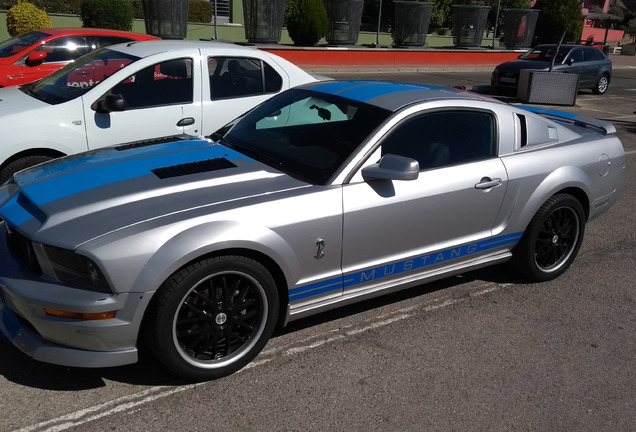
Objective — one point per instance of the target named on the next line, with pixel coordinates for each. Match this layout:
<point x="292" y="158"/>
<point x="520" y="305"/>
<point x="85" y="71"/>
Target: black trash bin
<point x="167" y="19"/>
<point x="469" y="24"/>
<point x="412" y="18"/>
<point x="263" y="20"/>
<point x="519" y="25"/>
<point x="344" y="18"/>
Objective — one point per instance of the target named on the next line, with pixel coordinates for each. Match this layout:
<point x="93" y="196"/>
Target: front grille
<point x="22" y="249"/>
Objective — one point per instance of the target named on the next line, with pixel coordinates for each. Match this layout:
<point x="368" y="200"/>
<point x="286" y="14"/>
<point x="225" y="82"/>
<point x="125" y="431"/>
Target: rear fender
<point x="524" y="206"/>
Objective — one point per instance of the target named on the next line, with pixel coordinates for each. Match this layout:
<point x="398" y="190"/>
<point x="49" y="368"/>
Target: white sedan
<point x="135" y="92"/>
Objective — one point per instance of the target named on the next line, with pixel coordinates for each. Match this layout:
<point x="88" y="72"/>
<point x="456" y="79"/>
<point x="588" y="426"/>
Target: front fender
<point x="150" y="256"/>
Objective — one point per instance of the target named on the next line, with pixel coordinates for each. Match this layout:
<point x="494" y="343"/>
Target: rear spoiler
<point x="605" y="127"/>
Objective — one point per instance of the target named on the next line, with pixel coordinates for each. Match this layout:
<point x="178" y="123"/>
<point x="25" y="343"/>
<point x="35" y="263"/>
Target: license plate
<point x="508" y="80"/>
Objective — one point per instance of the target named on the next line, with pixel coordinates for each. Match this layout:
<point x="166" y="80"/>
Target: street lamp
<point x="377" y="34"/>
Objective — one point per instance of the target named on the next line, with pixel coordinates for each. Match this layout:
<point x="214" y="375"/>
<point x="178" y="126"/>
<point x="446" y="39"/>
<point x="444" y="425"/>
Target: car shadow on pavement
<point x="22" y="370"/>
<point x="499" y="274"/>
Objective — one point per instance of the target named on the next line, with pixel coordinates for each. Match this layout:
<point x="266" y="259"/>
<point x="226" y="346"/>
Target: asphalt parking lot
<point x="479" y="352"/>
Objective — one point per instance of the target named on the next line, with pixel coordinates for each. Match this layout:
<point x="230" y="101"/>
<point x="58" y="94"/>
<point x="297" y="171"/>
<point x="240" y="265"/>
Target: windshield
<point x="308" y="135"/>
<point x="545" y="53"/>
<point x="78" y="77"/>
<point x="13" y="46"/>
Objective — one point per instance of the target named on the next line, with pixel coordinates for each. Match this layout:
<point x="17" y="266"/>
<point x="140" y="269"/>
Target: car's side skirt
<point x="294" y="313"/>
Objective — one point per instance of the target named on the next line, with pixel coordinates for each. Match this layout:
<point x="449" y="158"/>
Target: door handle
<point x="186" y="122"/>
<point x="488" y="183"/>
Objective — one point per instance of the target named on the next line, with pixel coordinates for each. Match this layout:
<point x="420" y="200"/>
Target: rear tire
<point x="211" y="318"/>
<point x="601" y="85"/>
<point x="552" y="239"/>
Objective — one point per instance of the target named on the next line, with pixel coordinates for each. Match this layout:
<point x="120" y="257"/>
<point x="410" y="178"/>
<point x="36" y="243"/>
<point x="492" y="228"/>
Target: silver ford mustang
<point x="326" y="194"/>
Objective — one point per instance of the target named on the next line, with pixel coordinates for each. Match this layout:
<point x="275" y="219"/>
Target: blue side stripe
<point x="381" y="272"/>
<point x="550" y="112"/>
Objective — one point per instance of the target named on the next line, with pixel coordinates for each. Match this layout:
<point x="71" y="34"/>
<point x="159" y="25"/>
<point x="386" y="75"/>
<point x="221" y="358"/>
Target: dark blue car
<point x="592" y="65"/>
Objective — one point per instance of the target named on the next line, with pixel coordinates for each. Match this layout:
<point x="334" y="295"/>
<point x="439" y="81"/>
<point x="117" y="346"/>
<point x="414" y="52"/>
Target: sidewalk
<point x="361" y="59"/>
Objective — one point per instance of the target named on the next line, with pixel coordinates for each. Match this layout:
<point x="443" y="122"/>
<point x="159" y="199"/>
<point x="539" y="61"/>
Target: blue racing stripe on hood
<point x="78" y="180"/>
<point x="104" y="156"/>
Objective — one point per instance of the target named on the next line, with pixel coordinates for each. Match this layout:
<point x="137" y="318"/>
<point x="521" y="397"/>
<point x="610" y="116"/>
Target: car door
<point x="161" y="100"/>
<point x="592" y="61"/>
<point x="575" y="63"/>
<point x="396" y="228"/>
<point x="236" y="85"/>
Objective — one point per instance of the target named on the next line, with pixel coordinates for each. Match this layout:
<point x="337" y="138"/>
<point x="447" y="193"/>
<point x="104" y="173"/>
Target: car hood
<point x="83" y="197"/>
<point x="517" y="65"/>
<point x="14" y="101"/>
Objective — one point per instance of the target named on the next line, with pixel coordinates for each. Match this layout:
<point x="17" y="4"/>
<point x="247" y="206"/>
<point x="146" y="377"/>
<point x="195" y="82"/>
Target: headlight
<point x="76" y="269"/>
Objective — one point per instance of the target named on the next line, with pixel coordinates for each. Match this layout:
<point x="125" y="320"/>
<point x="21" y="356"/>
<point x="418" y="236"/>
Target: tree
<point x="554" y="17"/>
<point x="442" y="14"/>
<point x="25" y="17"/>
<point x="306" y="21"/>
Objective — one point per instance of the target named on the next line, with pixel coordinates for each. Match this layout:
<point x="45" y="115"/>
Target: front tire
<point x="20" y="164"/>
<point x="211" y="318"/>
<point x="601" y="85"/>
<point x="552" y="239"/>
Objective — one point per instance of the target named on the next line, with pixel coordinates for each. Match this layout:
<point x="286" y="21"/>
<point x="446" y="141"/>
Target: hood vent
<point x="193" y="168"/>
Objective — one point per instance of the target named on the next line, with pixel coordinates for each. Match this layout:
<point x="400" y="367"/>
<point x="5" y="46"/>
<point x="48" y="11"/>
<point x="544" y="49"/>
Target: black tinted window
<point x="576" y="56"/>
<point x="593" y="54"/>
<point x="102" y="41"/>
<point x="166" y="83"/>
<point x="444" y="138"/>
<point x="65" y="49"/>
<point x="239" y="77"/>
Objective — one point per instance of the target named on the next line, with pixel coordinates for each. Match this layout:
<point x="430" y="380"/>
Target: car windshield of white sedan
<point x="12" y="46"/>
<point x="78" y="77"/>
<point x="545" y="53"/>
<point x="308" y="135"/>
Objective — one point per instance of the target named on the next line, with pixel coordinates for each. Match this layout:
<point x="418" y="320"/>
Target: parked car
<point x="591" y="64"/>
<point x="31" y="56"/>
<point x="136" y="91"/>
<point x="326" y="194"/>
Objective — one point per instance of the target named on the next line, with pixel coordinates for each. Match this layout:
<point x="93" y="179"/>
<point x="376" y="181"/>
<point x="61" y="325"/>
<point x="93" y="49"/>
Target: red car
<point x="31" y="56"/>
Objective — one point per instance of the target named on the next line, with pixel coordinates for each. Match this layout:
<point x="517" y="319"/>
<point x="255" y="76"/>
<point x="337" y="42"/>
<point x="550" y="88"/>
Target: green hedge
<point x="199" y="11"/>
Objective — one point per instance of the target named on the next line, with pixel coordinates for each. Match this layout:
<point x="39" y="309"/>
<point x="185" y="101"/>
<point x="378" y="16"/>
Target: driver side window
<point x="167" y="83"/>
<point x="443" y="138"/>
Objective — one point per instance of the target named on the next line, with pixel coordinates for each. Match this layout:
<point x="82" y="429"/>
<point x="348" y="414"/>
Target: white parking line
<point x="131" y="402"/>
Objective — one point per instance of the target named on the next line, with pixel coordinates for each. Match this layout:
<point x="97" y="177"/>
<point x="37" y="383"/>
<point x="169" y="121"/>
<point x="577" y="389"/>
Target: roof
<point x="95" y="31"/>
<point x="390" y="95"/>
<point x="147" y="48"/>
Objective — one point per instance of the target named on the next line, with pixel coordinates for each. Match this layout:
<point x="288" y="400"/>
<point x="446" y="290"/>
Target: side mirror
<point x="36" y="58"/>
<point x="569" y="61"/>
<point x="109" y="103"/>
<point x="392" y="167"/>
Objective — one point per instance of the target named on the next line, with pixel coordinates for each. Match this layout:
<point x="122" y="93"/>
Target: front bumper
<point x="64" y="341"/>
<point x="505" y="79"/>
